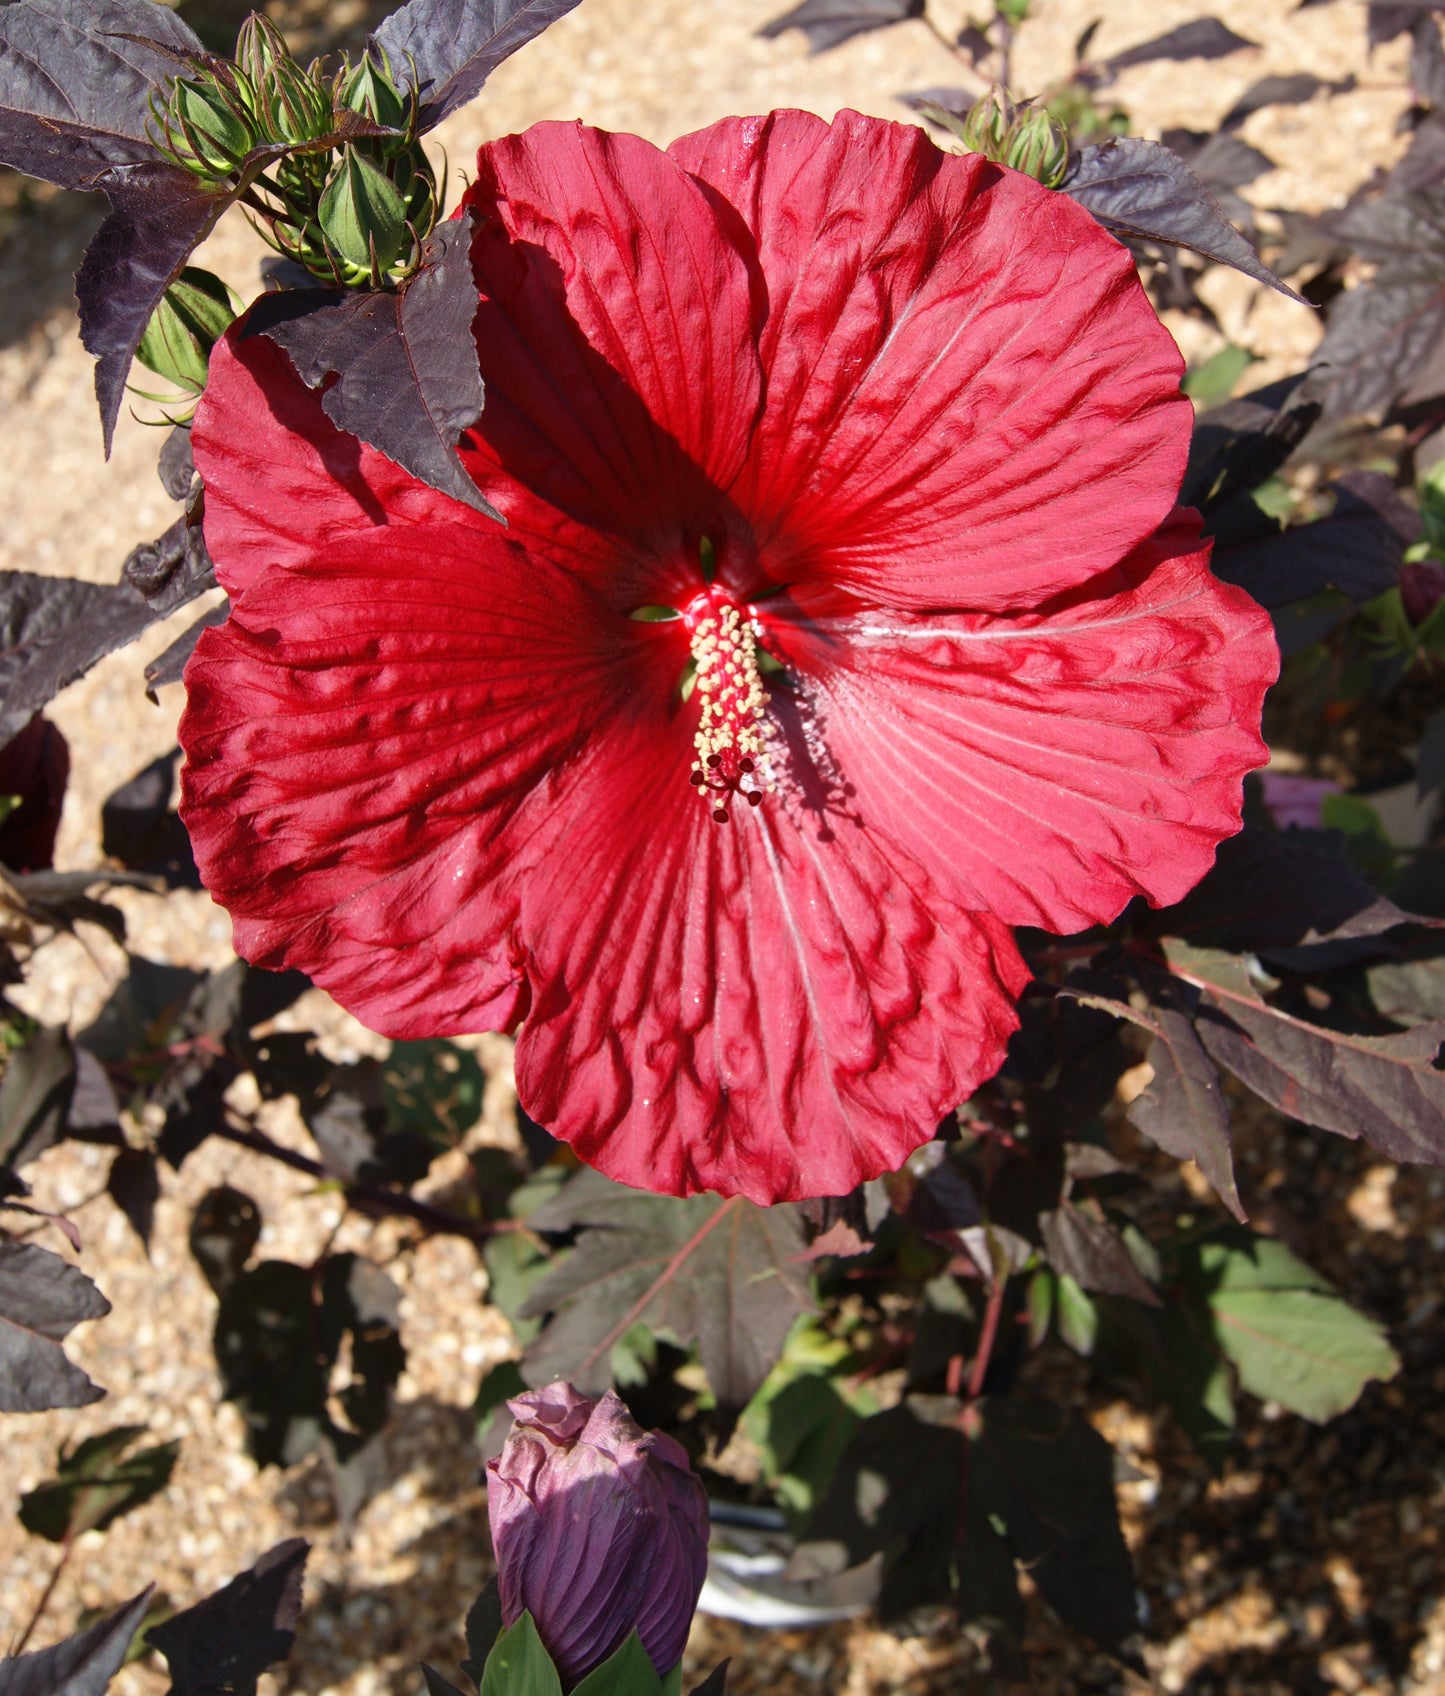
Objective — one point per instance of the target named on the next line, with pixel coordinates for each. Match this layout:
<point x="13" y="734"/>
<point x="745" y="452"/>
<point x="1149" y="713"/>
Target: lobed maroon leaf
<point x="76" y="77"/>
<point x="453" y="46"/>
<point x="721" y="1274"/>
<point x="407" y="378"/>
<point x="42" y="1298"/>
<point x="1269" y="892"/>
<point x="82" y="1665"/>
<point x="1086" y="1247"/>
<point x="1143" y="190"/>
<point x="159" y="213"/>
<point x="227" y="1641"/>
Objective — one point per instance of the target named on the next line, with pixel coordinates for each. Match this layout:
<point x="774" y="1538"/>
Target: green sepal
<point x="368" y="89"/>
<point x="360" y="209"/>
<point x="194" y="313"/>
<point x="519" y="1665"/>
<point x="626" y="1672"/>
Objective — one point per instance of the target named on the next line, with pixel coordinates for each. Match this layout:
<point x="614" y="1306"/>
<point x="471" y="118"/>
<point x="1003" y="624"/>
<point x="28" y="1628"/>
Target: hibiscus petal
<point x="752" y="1007"/>
<point x="358" y="735"/>
<point x="1050" y="766"/>
<point x="614" y="297"/>
<point x="970" y="402"/>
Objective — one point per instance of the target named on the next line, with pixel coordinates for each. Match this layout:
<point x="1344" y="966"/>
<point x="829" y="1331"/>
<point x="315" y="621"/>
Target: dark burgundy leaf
<point x="82" y="1665"/>
<point x="483" y="1627"/>
<point x="719" y="1274"/>
<point x="1140" y="189"/>
<point x="174" y="568"/>
<point x="75" y="80"/>
<point x="1039" y="1492"/>
<point x="1385" y="1089"/>
<point x="1381" y="336"/>
<point x="1386" y="19"/>
<point x="177" y="465"/>
<point x="828" y="23"/>
<point x="1356" y="551"/>
<point x="1268" y="892"/>
<point x="715" y="1684"/>
<point x="436" y="1685"/>
<point x="226" y="1642"/>
<point x="1204" y="38"/>
<point x="1236" y="447"/>
<point x="1086" y="1247"/>
<point x="52" y="630"/>
<point x="1280" y="91"/>
<point x="35" y="1095"/>
<point x="455" y="45"/>
<point x="407" y="377"/>
<point x="135" y="1187"/>
<point x="350" y="1123"/>
<point x="1423" y="165"/>
<point x="42" y="1297"/>
<point x="169" y="665"/>
<point x="34" y="768"/>
<point x="1183" y="1109"/>
<point x="1427" y="61"/>
<point x="96" y="1483"/>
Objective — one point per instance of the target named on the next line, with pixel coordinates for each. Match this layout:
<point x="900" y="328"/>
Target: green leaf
<point x="1078" y="1316"/>
<point x="94" y="1485"/>
<point x="519" y="1666"/>
<point x="1312" y="1353"/>
<point x="1213" y="382"/>
<point x="805" y="1415"/>
<point x="628" y="1672"/>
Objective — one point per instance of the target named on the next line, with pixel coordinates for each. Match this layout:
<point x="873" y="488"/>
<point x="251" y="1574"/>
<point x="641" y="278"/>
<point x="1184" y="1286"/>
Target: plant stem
<point x="19" y="1645"/>
<point x="986" y="1339"/>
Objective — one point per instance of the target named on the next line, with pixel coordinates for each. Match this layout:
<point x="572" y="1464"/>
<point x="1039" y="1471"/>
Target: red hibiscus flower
<point x="841" y="622"/>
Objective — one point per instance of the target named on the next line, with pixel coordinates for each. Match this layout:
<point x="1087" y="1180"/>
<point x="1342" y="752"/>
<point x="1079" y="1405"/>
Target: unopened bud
<point x="986" y="124"/>
<point x="363" y="214"/>
<point x="205" y="124"/>
<point x="292" y="104"/>
<point x="368" y="89"/>
<point x="194" y="313"/>
<point x="1422" y="588"/>
<point x="600" y="1529"/>
<point x="1038" y="146"/>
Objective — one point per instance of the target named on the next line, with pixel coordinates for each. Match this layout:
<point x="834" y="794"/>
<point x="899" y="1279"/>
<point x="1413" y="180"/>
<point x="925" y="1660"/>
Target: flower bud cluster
<point x="1024" y="136"/>
<point x="332" y="165"/>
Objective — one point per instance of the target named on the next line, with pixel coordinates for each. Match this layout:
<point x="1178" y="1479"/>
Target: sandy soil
<point x="1353" y="1607"/>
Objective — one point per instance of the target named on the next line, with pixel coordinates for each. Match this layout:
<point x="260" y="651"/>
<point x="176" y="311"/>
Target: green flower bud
<point x="292" y="105"/>
<point x="1038" y="146"/>
<point x="194" y="313"/>
<point x="369" y="89"/>
<point x="986" y="125"/>
<point x="363" y="215"/>
<point x="205" y="125"/>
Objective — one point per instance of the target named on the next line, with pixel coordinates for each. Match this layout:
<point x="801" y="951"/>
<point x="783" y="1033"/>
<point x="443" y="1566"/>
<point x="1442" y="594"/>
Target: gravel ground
<point x="1312" y="1565"/>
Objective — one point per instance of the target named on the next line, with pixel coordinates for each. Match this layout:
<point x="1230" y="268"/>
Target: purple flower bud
<point x="1422" y="586"/>
<point x="599" y="1527"/>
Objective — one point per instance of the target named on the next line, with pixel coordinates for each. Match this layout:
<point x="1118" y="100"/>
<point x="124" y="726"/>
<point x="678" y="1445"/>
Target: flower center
<point x="730" y="756"/>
